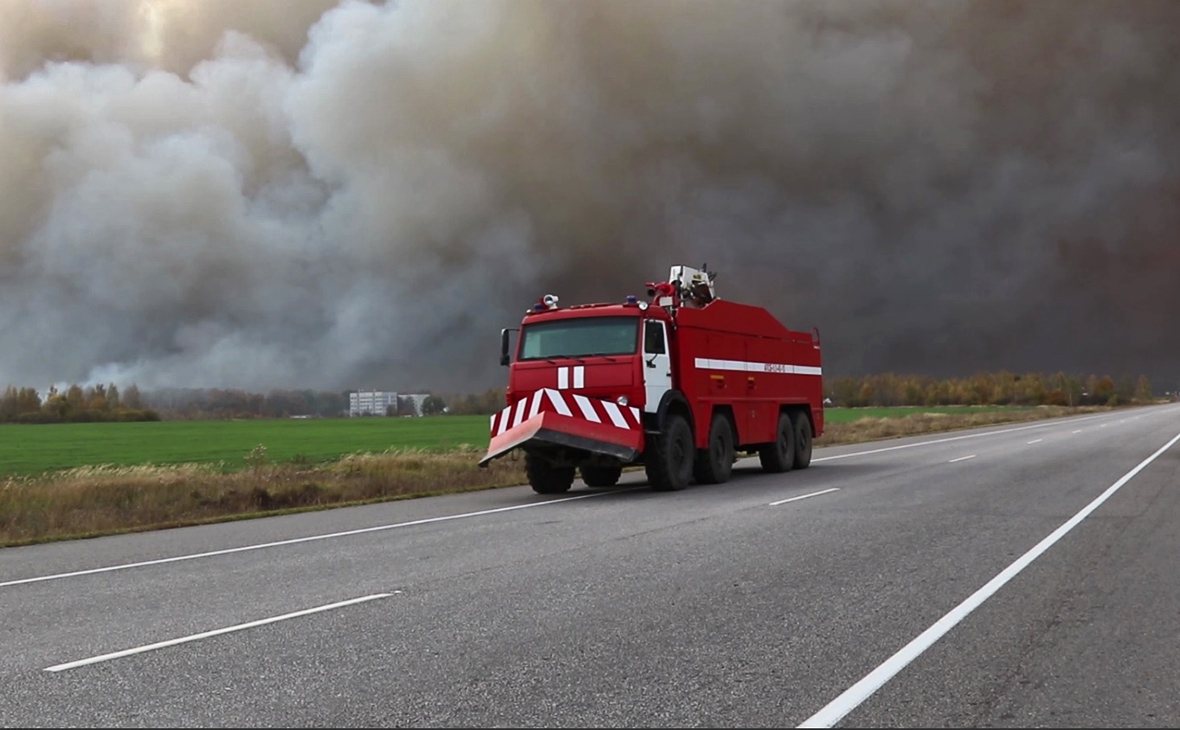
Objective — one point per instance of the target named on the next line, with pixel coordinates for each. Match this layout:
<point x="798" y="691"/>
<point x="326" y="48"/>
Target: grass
<point x="833" y="416"/>
<point x="100" y="500"/>
<point x="85" y="480"/>
<point x="857" y="425"/>
<point x="31" y="450"/>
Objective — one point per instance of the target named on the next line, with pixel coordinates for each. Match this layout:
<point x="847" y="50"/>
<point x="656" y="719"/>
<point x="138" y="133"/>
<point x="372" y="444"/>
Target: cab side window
<point x="653" y="338"/>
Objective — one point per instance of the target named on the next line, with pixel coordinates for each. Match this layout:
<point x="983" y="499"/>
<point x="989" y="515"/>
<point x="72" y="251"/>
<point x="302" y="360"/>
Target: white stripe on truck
<point x="616" y="416"/>
<point x="557" y="401"/>
<point x="704" y="363"/>
<point x="592" y="410"/>
<point x="535" y="408"/>
<point x="588" y="411"/>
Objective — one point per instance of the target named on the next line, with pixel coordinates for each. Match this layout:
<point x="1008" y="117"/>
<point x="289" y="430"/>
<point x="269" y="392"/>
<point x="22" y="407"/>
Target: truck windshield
<point x="580" y="338"/>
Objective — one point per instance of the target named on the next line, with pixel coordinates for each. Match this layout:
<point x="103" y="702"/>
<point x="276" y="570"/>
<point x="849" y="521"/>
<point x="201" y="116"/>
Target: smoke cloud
<point x="332" y="195"/>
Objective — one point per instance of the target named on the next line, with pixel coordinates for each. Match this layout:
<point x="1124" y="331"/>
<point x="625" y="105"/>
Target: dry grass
<point x="99" y="500"/>
<point x="873" y="429"/>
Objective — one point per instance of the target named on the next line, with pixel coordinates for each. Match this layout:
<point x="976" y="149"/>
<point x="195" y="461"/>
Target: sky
<point x="342" y="195"/>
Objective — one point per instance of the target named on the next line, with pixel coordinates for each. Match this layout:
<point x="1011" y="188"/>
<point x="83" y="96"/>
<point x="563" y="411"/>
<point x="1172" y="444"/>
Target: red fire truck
<point x="680" y="384"/>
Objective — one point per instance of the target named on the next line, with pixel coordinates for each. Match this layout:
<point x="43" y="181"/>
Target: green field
<point x="26" y="450"/>
<point x="848" y="415"/>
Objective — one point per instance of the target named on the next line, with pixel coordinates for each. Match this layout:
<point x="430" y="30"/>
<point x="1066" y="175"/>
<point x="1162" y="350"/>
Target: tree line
<point x="988" y="389"/>
<point x="108" y="403"/>
<point x="226" y="403"/>
<point x="74" y="405"/>
<point x="78" y="404"/>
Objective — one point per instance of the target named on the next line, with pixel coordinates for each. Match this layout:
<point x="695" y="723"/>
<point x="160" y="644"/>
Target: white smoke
<point x="331" y="195"/>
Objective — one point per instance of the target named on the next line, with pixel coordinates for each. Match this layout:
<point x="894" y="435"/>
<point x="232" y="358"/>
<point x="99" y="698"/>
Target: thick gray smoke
<point x="332" y="195"/>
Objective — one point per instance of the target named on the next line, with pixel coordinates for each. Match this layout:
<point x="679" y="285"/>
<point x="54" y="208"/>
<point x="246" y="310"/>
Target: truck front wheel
<point x="715" y="462"/>
<point x="779" y="455"/>
<point x="545" y="478"/>
<point x="601" y="476"/>
<point x="670" y="455"/>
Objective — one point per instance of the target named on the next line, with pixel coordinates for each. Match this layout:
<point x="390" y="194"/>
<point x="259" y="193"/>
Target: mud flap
<point x="554" y="429"/>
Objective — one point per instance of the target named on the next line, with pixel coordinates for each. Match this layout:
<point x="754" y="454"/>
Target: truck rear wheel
<point x="802" y="440"/>
<point x="779" y="455"/>
<point x="601" y="476"/>
<point x="670" y="455"/>
<point x="545" y="478"/>
<point x="715" y="462"/>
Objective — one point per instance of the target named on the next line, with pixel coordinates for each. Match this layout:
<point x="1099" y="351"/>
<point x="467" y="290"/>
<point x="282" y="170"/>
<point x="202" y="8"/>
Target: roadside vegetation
<point x="99" y="500"/>
<point x="857" y="425"/>
<point x="221" y="445"/>
<point x="91" y="500"/>
<point x="91" y="461"/>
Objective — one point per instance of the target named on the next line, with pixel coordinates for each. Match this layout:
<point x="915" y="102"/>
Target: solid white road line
<point x="961" y="458"/>
<point x="297" y="540"/>
<point x="851" y="698"/>
<point x="207" y="634"/>
<point x="804" y="496"/>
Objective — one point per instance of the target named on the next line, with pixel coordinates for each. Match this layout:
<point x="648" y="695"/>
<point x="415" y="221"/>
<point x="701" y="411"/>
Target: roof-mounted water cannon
<point x="685" y="285"/>
<point x="694" y="285"/>
<point x="663" y="294"/>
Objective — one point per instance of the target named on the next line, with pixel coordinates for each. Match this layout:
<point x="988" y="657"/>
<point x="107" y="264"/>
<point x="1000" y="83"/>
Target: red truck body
<point x="680" y="385"/>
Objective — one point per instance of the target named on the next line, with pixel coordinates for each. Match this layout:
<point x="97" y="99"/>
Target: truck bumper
<point x="550" y="418"/>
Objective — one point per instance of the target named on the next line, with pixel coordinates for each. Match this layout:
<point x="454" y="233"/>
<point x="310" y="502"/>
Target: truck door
<point x="657" y="364"/>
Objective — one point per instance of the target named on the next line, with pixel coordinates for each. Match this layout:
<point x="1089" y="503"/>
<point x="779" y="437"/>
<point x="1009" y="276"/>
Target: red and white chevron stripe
<point x="594" y="410"/>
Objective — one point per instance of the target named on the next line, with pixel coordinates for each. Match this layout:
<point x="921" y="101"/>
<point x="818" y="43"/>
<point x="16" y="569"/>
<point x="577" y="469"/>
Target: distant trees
<point x="222" y="403"/>
<point x="1143" y="389"/>
<point x="471" y="404"/>
<point x="77" y="404"/>
<point x="132" y="399"/>
<point x="433" y="405"/>
<point x="16" y="403"/>
<point x="109" y="403"/>
<point x="986" y="389"/>
<point x="405" y="406"/>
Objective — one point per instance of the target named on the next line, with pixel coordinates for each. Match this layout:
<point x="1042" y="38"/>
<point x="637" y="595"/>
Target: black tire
<point x="670" y="456"/>
<point x="545" y="478"/>
<point x="802" y="440"/>
<point x="779" y="455"/>
<point x="601" y="476"/>
<point x="715" y="463"/>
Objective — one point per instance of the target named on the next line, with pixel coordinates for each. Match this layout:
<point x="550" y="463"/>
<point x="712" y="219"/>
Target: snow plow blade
<point x="551" y="418"/>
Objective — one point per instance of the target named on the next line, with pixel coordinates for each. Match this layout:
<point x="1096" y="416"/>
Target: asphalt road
<point x="1016" y="576"/>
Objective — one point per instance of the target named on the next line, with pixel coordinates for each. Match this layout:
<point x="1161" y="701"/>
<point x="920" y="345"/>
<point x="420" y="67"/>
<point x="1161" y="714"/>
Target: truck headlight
<point x="621" y="400"/>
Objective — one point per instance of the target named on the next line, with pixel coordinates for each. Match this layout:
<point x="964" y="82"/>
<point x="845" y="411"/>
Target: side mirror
<point x="504" y="342"/>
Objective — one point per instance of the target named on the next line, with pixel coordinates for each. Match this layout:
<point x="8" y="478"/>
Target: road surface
<point x="1013" y="576"/>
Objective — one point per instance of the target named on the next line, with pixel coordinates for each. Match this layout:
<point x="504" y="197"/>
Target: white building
<point x="371" y="402"/>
